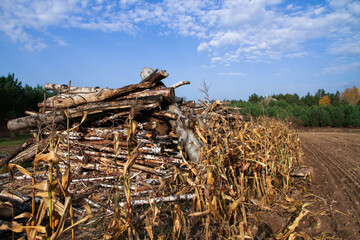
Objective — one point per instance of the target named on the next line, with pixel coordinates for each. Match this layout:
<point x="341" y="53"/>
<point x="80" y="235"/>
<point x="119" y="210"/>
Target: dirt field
<point x="335" y="158"/>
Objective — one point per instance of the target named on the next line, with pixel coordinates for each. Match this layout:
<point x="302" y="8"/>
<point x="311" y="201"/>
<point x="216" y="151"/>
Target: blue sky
<point x="237" y="46"/>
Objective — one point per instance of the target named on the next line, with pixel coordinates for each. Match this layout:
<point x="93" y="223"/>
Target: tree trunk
<point x="167" y="93"/>
<point x="65" y="88"/>
<point x="8" y="158"/>
<point x="90" y="108"/>
<point x="79" y="99"/>
<point x="187" y="138"/>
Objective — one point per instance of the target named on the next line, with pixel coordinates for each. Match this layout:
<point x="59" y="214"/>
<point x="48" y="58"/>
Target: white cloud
<point x="292" y="7"/>
<point x="269" y="34"/>
<point x="236" y="74"/>
<point x="343" y="68"/>
<point x="346" y="46"/>
<point x="231" y="74"/>
<point x="297" y="55"/>
<point x="18" y="17"/>
<point x="229" y="30"/>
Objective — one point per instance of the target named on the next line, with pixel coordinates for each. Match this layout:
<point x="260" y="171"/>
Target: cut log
<point x="165" y="115"/>
<point x="187" y="138"/>
<point x="179" y="84"/>
<point x="62" y="88"/>
<point x="90" y="108"/>
<point x="122" y="154"/>
<point x="25" y="155"/>
<point x="155" y="150"/>
<point x="166" y="93"/>
<point x="9" y="157"/>
<point x="113" y="117"/>
<point x="80" y="99"/>
<point x="33" y="121"/>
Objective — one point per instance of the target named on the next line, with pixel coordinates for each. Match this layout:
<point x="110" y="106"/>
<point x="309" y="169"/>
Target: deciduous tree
<point x="325" y="100"/>
<point x="351" y="95"/>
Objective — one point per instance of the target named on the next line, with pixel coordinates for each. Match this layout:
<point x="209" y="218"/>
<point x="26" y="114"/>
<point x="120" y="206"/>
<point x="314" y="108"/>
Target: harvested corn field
<point x="137" y="162"/>
<point x="334" y="156"/>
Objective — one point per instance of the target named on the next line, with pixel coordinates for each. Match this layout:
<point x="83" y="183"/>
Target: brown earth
<point x="335" y="159"/>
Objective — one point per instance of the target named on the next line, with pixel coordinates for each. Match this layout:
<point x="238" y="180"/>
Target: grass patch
<point x="14" y="139"/>
<point x="11" y="142"/>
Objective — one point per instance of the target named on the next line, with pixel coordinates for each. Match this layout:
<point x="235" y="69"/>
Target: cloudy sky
<point x="237" y="46"/>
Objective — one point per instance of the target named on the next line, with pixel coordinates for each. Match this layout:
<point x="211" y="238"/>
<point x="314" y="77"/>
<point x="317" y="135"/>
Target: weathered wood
<point x="21" y="148"/>
<point x="90" y="108"/>
<point x="165" y="115"/>
<point x="187" y="138"/>
<point x="80" y="99"/>
<point x="148" y="149"/>
<point x="179" y="84"/>
<point x="113" y="117"/>
<point x="62" y="88"/>
<point x="133" y="101"/>
<point x="106" y="165"/>
<point x="33" y="121"/>
<point x="26" y="155"/>
<point x="122" y="154"/>
<point x="138" y="167"/>
<point x="166" y="93"/>
<point x="159" y="199"/>
<point x="157" y="127"/>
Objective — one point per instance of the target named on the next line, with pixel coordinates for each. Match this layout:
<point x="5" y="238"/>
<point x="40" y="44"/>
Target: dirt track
<point x="335" y="159"/>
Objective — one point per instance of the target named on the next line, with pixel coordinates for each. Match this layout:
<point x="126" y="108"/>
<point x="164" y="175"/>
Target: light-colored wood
<point x="90" y="108"/>
<point x="166" y="93"/>
<point x="179" y="84"/>
<point x="79" y="99"/>
<point x="187" y="138"/>
<point x="62" y="88"/>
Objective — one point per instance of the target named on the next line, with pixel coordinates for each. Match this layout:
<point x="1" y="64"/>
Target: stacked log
<point x="97" y="128"/>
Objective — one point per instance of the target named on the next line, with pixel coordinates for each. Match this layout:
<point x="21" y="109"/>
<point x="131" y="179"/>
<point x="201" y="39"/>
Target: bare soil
<point x="335" y="159"/>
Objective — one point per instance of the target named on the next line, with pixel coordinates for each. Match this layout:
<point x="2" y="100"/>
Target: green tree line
<point x="15" y="98"/>
<point x="319" y="110"/>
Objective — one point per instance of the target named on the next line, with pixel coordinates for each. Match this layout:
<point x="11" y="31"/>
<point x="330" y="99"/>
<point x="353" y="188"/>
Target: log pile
<point x="98" y="129"/>
<point x="115" y="149"/>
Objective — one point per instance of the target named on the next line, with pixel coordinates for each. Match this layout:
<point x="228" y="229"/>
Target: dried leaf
<point x="196" y="214"/>
<point x="20" y="168"/>
<point x="23" y="215"/>
<point x="64" y="215"/>
<point x="47" y="157"/>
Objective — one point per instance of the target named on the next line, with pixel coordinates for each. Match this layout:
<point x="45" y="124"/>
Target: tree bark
<point x="80" y="99"/>
<point x="90" y="108"/>
<point x="165" y="114"/>
<point x="8" y="158"/>
<point x="65" y="88"/>
<point x="167" y="93"/>
<point x="179" y="84"/>
<point x="187" y="138"/>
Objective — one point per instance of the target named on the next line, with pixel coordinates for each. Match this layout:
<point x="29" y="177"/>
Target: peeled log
<point x="33" y="121"/>
<point x="80" y="99"/>
<point x="187" y="138"/>
<point x="62" y="88"/>
<point x="59" y="116"/>
<point x="165" y="114"/>
<point x="179" y="84"/>
<point x="167" y="93"/>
